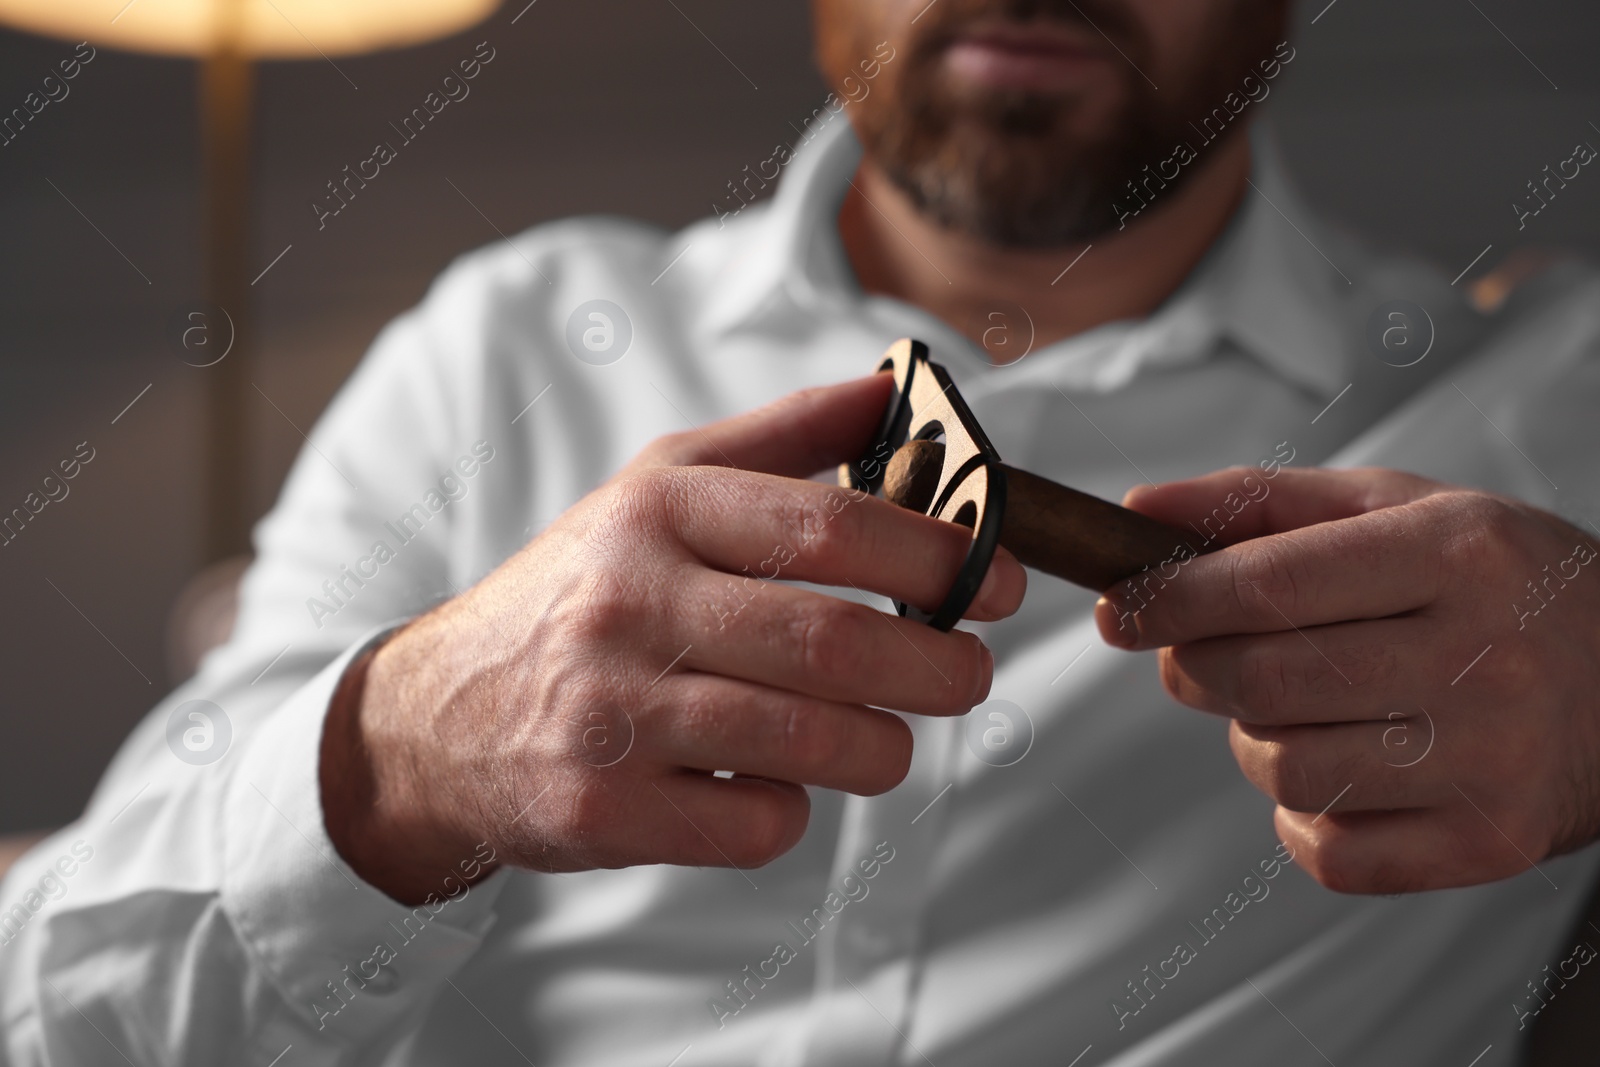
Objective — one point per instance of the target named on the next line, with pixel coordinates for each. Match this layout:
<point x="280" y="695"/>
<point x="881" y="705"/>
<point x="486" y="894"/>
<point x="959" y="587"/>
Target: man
<point x="555" y="698"/>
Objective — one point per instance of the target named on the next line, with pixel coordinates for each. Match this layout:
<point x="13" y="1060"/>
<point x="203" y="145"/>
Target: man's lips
<point x="1038" y="57"/>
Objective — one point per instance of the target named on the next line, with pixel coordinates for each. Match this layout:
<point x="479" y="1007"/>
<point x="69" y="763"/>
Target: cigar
<point x="1074" y="536"/>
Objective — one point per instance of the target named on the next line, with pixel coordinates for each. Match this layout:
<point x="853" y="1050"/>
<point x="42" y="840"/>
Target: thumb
<point x="793" y="437"/>
<point x="1240" y="503"/>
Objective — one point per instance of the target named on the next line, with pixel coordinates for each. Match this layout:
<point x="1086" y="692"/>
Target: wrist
<point x="381" y="819"/>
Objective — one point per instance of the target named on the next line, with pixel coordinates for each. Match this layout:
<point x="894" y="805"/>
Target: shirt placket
<point x="869" y="955"/>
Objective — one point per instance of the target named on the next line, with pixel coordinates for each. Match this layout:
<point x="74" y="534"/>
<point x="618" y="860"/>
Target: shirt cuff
<point x="346" y="956"/>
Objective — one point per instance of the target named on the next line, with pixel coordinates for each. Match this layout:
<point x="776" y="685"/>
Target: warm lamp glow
<point x="271" y="29"/>
<point x="229" y="37"/>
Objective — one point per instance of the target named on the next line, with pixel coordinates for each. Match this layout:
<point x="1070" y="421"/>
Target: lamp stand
<point x="227" y="78"/>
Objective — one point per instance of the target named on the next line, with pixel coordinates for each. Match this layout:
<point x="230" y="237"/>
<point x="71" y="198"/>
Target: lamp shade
<point x="272" y="29"/>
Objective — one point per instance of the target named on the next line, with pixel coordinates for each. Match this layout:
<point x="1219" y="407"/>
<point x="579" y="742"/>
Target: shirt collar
<point x="1271" y="285"/>
<point x="1266" y="285"/>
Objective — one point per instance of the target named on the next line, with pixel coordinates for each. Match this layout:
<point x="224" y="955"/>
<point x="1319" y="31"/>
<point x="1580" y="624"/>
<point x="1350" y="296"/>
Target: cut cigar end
<point x="912" y="476"/>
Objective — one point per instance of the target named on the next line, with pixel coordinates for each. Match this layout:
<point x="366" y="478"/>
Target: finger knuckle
<point x="637" y="505"/>
<point x="1263" y="685"/>
<point x="1498" y="518"/>
<point x="1483" y="531"/>
<point x="824" y="536"/>
<point x="602" y="616"/>
<point x="809" y="738"/>
<point x="672" y="450"/>
<point x="1270" y="584"/>
<point x="828" y="638"/>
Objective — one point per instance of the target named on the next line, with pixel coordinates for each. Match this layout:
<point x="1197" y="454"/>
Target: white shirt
<point x="206" y="915"/>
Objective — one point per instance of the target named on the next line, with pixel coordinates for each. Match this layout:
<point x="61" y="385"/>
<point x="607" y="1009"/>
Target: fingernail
<point x="986" y="674"/>
<point x="1116" y="626"/>
<point x="990" y="595"/>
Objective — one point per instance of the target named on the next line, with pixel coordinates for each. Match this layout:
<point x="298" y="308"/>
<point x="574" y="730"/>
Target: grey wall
<point x="1416" y="122"/>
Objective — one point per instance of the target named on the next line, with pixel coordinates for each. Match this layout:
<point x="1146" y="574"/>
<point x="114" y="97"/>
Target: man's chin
<point x="1014" y="189"/>
<point x="1068" y="212"/>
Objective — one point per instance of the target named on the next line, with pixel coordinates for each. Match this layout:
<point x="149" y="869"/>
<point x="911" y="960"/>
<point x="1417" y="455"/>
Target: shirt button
<point x="384" y="982"/>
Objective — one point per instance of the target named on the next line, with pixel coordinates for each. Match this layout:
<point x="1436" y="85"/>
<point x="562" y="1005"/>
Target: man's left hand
<point x="1412" y="669"/>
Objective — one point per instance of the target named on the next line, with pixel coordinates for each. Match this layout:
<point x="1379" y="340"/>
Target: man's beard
<point x="1011" y="166"/>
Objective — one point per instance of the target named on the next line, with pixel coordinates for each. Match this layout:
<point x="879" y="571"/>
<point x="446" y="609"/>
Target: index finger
<point x="767" y="527"/>
<point x="1239" y="503"/>
<point x="1364" y="567"/>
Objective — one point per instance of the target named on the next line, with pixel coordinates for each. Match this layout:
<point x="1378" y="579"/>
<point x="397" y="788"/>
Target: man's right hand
<point x="569" y="709"/>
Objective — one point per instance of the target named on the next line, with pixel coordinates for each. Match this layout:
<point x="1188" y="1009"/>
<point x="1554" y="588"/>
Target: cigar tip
<point x="912" y="475"/>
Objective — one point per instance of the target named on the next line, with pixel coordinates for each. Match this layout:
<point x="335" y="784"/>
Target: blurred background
<point x="1418" y="124"/>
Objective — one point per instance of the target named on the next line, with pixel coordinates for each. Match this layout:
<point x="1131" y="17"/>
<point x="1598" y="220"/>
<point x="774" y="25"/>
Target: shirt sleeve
<point x="197" y="913"/>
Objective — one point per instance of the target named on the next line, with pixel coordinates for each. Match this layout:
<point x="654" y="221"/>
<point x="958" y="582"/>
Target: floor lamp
<point x="228" y="37"/>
